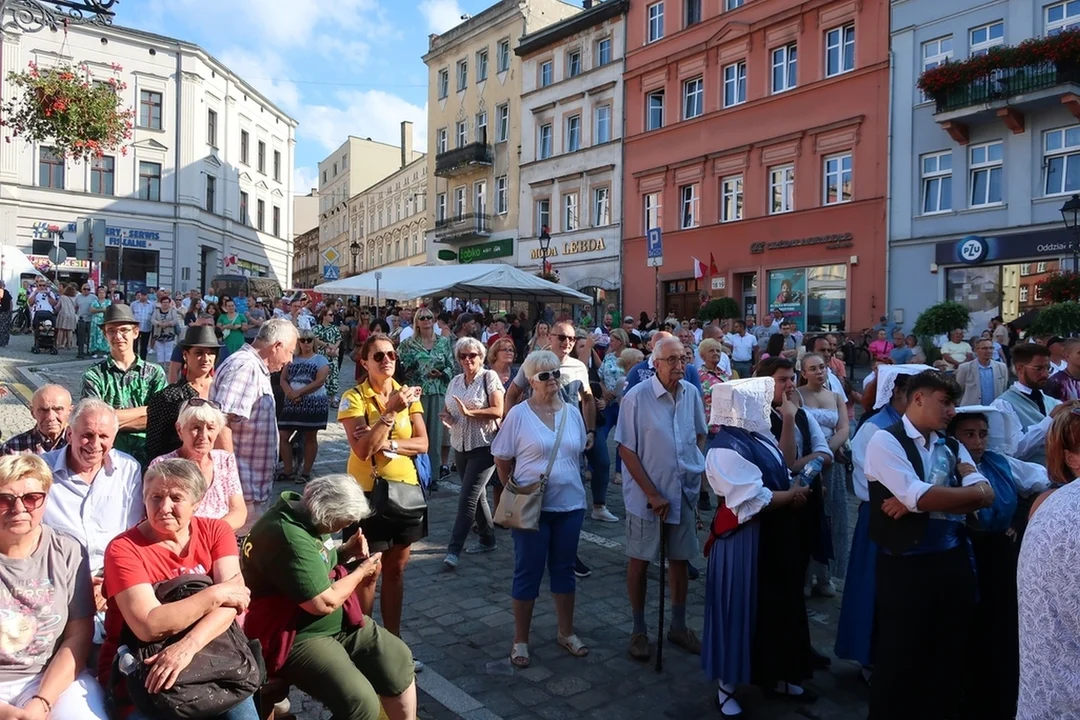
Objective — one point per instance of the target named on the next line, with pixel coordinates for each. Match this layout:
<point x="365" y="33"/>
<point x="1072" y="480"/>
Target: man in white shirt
<point x="1056" y="346"/>
<point x="921" y="487"/>
<point x="956" y="351"/>
<point x="742" y="346"/>
<point x="406" y="325"/>
<point x="142" y="309"/>
<point x="1028" y="408"/>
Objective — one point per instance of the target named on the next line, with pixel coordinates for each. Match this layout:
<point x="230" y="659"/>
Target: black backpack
<point x="229" y="670"/>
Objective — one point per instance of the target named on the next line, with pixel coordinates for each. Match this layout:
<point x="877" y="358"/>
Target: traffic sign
<point x="656" y="247"/>
<point x="331" y="256"/>
<point x="330" y="272"/>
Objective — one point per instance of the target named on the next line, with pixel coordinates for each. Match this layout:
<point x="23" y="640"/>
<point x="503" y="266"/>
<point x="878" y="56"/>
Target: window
<point x="603" y="51"/>
<point x="1023" y="293"/>
<point x="102" y="175"/>
<point x="244" y="144"/>
<point x="443" y="83"/>
<point x="986" y="173"/>
<point x="573" y="133"/>
<point x="150" y="109"/>
<point x="544" y="150"/>
<point x="601" y="214"/>
<point x="936" y="182"/>
<point x="150" y="181"/>
<point x="459" y="201"/>
<point x="1061" y="158"/>
<point x="440" y="206"/>
<point x="655" y="14"/>
<point x="984" y="37"/>
<point x="934" y="53"/>
<point x="570" y="215"/>
<point x="50" y="169"/>
<point x="262" y="157"/>
<point x="689" y="211"/>
<point x="693" y="98"/>
<point x="731" y="199"/>
<point x="502" y="195"/>
<point x="244" y="208"/>
<point x="603" y="124"/>
<point x="655" y="108"/>
<point x="573" y="63"/>
<point x="502" y="122"/>
<point x="545" y="74"/>
<point x="481" y="127"/>
<point x="543" y="214"/>
<point x="652" y="210"/>
<point x="335" y="167"/>
<point x="211" y="128"/>
<point x="260" y="215"/>
<point x="1062" y="16"/>
<point x="784" y="68"/>
<point x="211" y="191"/>
<point x="462" y="75"/>
<point x="732" y="4"/>
<point x="480" y="197"/>
<point x="345" y="161"/>
<point x="1041" y="267"/>
<point x="782" y="189"/>
<point x="840" y="50"/>
<point x="691" y="12"/>
<point x="735" y="84"/>
<point x="481" y="65"/>
<point x="838" y="187"/>
<point x="441" y="141"/>
<point x="503" y="55"/>
<point x="462" y="132"/>
<point x="1025" y="269"/>
<point x="324" y="175"/>
<point x="277" y="165"/>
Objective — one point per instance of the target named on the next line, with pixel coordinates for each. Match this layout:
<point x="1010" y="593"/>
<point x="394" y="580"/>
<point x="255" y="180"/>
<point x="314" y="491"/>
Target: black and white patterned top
<point x="1048" y="583"/>
<point x="472" y="433"/>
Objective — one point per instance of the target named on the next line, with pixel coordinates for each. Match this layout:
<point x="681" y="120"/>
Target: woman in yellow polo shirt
<point x="384" y="422"/>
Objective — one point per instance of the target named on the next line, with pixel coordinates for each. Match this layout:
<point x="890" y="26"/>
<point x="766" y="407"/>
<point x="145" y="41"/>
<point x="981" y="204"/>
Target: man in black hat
<point x="200" y="350"/>
<point x="124" y="380"/>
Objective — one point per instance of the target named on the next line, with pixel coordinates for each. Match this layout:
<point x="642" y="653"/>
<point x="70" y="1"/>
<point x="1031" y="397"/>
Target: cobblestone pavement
<point x="460" y="623"/>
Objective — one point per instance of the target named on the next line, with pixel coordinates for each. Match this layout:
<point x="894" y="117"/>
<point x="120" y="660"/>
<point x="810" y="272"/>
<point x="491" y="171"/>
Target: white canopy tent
<point x="493" y="281"/>
<point x="13" y="265"/>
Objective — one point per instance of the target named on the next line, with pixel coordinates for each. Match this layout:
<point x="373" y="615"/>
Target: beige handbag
<point x="519" y="507"/>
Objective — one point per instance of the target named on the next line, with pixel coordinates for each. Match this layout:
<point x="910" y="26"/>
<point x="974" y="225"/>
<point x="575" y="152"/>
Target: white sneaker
<point x="602" y="514"/>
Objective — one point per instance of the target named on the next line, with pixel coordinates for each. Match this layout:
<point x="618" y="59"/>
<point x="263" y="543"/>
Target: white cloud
<point x="304" y="179"/>
<point x="441" y="15"/>
<point x="279" y="23"/>
<point x="372" y="113"/>
<point x="260" y="69"/>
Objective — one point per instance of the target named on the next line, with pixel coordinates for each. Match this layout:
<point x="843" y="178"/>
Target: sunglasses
<point x="31" y="501"/>
<point x="383" y="355"/>
<point x="200" y="402"/>
<point x="565" y="338"/>
<point x="468" y="356"/>
<point x="547" y="375"/>
<point x="307" y="341"/>
<point x="425" y="317"/>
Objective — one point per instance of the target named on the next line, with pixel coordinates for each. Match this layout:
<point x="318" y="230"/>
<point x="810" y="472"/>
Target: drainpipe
<point x="177" y="272"/>
<point x="888" y="185"/>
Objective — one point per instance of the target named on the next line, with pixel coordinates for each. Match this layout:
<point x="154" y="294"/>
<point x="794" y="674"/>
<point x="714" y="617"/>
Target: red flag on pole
<point x="712" y="266"/>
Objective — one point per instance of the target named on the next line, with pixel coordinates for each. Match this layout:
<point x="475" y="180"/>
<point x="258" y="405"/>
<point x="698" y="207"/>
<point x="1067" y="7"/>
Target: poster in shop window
<point x="787" y="293"/>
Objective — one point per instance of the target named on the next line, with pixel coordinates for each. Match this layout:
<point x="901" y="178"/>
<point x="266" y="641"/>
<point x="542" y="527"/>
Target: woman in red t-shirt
<point x="169" y="543"/>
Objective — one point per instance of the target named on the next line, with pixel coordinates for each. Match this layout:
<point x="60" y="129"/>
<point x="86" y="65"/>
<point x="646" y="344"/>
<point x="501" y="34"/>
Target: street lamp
<point x="354" y="250"/>
<point x="545" y="245"/>
<point x="1070" y="212"/>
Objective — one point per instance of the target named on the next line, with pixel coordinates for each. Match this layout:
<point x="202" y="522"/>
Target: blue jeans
<point x="555" y="545"/>
<point x="244" y="711"/>
<point x="611" y="417"/>
<point x="600" y="464"/>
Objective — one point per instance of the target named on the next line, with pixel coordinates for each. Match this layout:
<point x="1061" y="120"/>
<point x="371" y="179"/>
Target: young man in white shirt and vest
<point x="1025" y="403"/>
<point x="922" y="485"/>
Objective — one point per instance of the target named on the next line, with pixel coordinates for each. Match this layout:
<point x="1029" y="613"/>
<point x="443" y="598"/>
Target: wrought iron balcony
<point x="463" y="227"/>
<point x="464" y="159"/>
<point x="1006" y="83"/>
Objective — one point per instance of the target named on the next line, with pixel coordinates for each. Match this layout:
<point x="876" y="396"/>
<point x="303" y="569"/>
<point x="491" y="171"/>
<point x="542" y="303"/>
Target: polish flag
<point x="700" y="269"/>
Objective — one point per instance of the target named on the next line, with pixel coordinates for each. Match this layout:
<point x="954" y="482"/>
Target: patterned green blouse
<point x="417" y="362"/>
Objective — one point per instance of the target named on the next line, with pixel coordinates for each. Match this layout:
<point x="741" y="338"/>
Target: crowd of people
<point x="149" y="505"/>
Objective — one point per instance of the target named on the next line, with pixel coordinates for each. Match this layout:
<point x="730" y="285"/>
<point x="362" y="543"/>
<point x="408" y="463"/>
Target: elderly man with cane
<point x="662" y="420"/>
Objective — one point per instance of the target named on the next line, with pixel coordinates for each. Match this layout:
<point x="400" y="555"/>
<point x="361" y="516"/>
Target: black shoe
<point x="819" y="661"/>
<point x="581" y="569"/>
<point x="444" y="472"/>
<point x="704" y="503"/>
<point x="433" y="486"/>
<point x="692" y="572"/>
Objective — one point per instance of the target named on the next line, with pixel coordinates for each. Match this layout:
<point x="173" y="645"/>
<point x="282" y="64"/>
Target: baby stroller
<point x="44" y="337"/>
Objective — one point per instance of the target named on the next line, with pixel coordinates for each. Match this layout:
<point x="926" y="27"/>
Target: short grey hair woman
<point x="349" y="664"/>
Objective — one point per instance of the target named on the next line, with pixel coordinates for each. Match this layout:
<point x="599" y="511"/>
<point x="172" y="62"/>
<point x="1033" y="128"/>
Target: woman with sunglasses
<point x="200" y="351"/>
<point x="384" y="424"/>
<point x="199" y="424"/>
<point x="328" y="344"/>
<point x="48" y="631"/>
<point x="305" y="405"/>
<point x="474" y="406"/>
<point x="522" y="449"/>
<point x="427" y="360"/>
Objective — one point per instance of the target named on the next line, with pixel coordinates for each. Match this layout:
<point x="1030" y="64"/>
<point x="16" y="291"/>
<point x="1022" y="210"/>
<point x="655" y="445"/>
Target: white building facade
<point x="571" y="149"/>
<point x="203" y="188"/>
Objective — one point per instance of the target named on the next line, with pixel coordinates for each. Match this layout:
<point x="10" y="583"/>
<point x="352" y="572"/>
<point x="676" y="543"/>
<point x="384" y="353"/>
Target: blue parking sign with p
<point x="656" y="243"/>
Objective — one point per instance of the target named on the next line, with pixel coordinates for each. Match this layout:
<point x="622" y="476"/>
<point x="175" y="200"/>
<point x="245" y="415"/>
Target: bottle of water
<point x="941" y="468"/>
<point x="125" y="660"/>
<point x="810" y="471"/>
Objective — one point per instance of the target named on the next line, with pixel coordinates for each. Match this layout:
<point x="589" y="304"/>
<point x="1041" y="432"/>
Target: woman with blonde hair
<point x="540" y="339"/>
<point x="500" y="358"/>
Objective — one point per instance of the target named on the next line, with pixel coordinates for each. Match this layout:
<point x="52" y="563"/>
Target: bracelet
<point x="982" y="489"/>
<point x="46" y="703"/>
<point x="387" y="423"/>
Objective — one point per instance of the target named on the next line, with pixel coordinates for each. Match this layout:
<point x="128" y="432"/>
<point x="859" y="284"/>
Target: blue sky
<point x="340" y="67"/>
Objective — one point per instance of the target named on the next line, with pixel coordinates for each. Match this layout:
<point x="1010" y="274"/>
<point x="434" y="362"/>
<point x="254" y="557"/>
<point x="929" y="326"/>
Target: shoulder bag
<point x="401" y="504"/>
<point x="519" y="506"/>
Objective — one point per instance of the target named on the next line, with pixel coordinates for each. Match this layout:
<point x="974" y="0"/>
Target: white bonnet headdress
<point x="745" y="404"/>
<point x="886" y="380"/>
<point x="1002" y="433"/>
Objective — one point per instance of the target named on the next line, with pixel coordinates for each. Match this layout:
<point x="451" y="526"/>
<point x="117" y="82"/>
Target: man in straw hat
<point x="124" y="380"/>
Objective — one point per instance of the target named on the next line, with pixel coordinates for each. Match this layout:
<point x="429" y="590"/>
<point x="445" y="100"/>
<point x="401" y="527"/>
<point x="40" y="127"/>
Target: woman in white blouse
<point x="755" y="616"/>
<point x="522" y="449"/>
<point x="474" y="405"/>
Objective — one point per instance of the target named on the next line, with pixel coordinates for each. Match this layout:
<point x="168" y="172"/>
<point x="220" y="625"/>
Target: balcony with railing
<point x="468" y="226"/>
<point x="463" y="160"/>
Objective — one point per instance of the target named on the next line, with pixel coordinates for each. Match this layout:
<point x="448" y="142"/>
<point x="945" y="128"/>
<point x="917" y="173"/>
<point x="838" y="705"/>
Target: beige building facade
<point x="474" y="130"/>
<point x="388" y="220"/>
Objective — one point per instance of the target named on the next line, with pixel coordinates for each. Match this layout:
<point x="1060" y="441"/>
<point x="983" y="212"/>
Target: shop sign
<point x="43" y="264"/>
<point x="976" y="249"/>
<point x="132" y="238"/>
<point x="486" y="251"/>
<point x="831" y="242"/>
<point x="573" y="247"/>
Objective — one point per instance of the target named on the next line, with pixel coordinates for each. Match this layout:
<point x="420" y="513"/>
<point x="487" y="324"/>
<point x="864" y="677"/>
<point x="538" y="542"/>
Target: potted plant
<point x="1059" y="318"/>
<point x="721" y="308"/>
<point x="1061" y="287"/>
<point x="65" y="106"/>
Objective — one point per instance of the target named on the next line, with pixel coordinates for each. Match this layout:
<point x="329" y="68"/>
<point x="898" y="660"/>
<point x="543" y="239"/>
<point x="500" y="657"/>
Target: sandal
<point x="284" y="477"/>
<point x="519" y="655"/>
<point x="303" y="478"/>
<point x="574" y="646"/>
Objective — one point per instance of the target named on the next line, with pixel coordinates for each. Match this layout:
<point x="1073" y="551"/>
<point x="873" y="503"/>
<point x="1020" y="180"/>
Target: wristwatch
<point x="393" y="446"/>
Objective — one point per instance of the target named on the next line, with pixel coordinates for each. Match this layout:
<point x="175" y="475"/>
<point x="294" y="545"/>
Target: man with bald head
<point x="50" y="406"/>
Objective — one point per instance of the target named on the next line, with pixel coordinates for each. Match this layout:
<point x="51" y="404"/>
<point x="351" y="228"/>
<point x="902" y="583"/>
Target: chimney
<point x="406" y="142"/>
<point x="586" y="4"/>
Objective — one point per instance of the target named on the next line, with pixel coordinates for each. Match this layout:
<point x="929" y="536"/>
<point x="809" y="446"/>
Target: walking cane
<point x="663" y="592"/>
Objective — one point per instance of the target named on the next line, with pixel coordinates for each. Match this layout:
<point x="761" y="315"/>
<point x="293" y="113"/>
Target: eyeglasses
<point x="425" y="317"/>
<point x="506" y="349"/>
<point x="31" y="501"/>
<point x="122" y="331"/>
<point x="565" y="338"/>
<point x="674" y="360"/>
<point x="200" y="402"/>
<point x="307" y="341"/>
<point x="468" y="356"/>
<point x="547" y="375"/>
<point x="86" y="288"/>
<point x="384" y="355"/>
